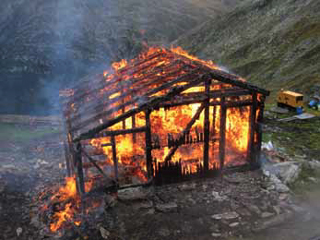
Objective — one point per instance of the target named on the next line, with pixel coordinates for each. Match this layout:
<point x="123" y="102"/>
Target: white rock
<point x="104" y="233"/>
<point x="225" y="216"/>
<point x="218" y="197"/>
<point x="235" y="224"/>
<point x="266" y="214"/>
<point x="216" y="235"/>
<point x="19" y="231"/>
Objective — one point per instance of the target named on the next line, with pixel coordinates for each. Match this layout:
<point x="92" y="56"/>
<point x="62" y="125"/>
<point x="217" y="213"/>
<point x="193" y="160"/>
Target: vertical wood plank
<point x="115" y="159"/>
<point x="148" y="144"/>
<point x="80" y="177"/>
<point x="134" y="136"/>
<point x="223" y="116"/>
<point x="206" y="127"/>
<point x="252" y="129"/>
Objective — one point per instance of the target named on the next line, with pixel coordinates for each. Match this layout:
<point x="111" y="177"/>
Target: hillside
<point x="45" y="45"/>
<point x="275" y="44"/>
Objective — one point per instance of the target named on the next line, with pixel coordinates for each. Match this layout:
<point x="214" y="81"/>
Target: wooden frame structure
<point x="150" y="82"/>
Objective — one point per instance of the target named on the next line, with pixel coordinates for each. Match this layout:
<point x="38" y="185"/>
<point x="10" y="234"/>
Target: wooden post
<point x="70" y="159"/>
<point x="134" y="136"/>
<point x="223" y="116"/>
<point x="259" y="129"/>
<point x="206" y="125"/>
<point x="80" y="178"/>
<point x="251" y="146"/>
<point x="115" y="159"/>
<point x="148" y="144"/>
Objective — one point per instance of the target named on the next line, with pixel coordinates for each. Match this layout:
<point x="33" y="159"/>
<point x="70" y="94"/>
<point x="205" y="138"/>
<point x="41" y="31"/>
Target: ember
<point x="165" y="115"/>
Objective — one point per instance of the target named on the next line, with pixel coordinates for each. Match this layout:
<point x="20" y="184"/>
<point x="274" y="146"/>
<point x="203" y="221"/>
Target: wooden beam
<point x="222" y="144"/>
<point x="233" y="104"/>
<point x="185" y="131"/>
<point x="120" y="132"/>
<point x="252" y="129"/>
<point x="206" y="125"/>
<point x="232" y="92"/>
<point x="148" y="144"/>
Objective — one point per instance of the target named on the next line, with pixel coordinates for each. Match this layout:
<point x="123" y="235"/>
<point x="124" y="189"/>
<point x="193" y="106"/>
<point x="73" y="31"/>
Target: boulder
<point x="287" y="172"/>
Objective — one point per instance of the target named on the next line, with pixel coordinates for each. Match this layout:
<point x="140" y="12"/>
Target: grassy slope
<point x="275" y="44"/>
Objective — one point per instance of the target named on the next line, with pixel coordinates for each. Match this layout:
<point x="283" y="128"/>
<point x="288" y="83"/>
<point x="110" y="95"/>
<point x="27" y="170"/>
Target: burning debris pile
<point x="64" y="208"/>
<point x="165" y="116"/>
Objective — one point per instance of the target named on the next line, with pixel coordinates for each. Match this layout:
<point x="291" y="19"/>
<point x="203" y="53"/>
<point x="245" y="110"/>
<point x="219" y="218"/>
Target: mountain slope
<point x="48" y="44"/>
<point x="275" y="44"/>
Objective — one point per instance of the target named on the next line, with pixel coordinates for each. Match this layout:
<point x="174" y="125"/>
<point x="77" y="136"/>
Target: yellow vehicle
<point x="290" y="99"/>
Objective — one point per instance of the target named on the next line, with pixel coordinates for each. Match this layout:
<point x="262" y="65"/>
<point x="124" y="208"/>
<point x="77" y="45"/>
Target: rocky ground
<point x="246" y="205"/>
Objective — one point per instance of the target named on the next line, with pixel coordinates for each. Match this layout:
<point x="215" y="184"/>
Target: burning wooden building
<point x="164" y="116"/>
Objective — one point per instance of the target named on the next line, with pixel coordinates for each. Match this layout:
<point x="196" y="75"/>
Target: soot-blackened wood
<point x="251" y="144"/>
<point x="259" y="130"/>
<point x="222" y="143"/>
<point x="206" y="127"/>
<point x="148" y="144"/>
<point x="233" y="104"/>
<point x="121" y="132"/>
<point x="115" y="159"/>
<point x="134" y="136"/>
<point x="80" y="177"/>
<point x="185" y="131"/>
<point x="70" y="160"/>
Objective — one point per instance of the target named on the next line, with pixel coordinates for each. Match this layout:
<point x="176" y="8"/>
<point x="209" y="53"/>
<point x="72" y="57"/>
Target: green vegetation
<point x="20" y="133"/>
<point x="299" y="137"/>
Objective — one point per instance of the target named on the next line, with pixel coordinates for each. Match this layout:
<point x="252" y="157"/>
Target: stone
<point x="277" y="209"/>
<point x="313" y="164"/>
<point x="218" y="197"/>
<point x="187" y="187"/>
<point x="283" y="196"/>
<point x="267" y="214"/>
<point x="254" y="209"/>
<point x="278" y="185"/>
<point x="167" y="207"/>
<point x="215" y="235"/>
<point x="225" y="216"/>
<point x="104" y="233"/>
<point x="164" y="232"/>
<point x="19" y="231"/>
<point x="312" y="179"/>
<point x="287" y="172"/>
<point x="235" y="224"/>
<point x="132" y="194"/>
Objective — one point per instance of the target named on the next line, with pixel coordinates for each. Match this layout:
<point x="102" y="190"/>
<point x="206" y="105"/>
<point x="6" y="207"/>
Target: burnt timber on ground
<point x="148" y="84"/>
